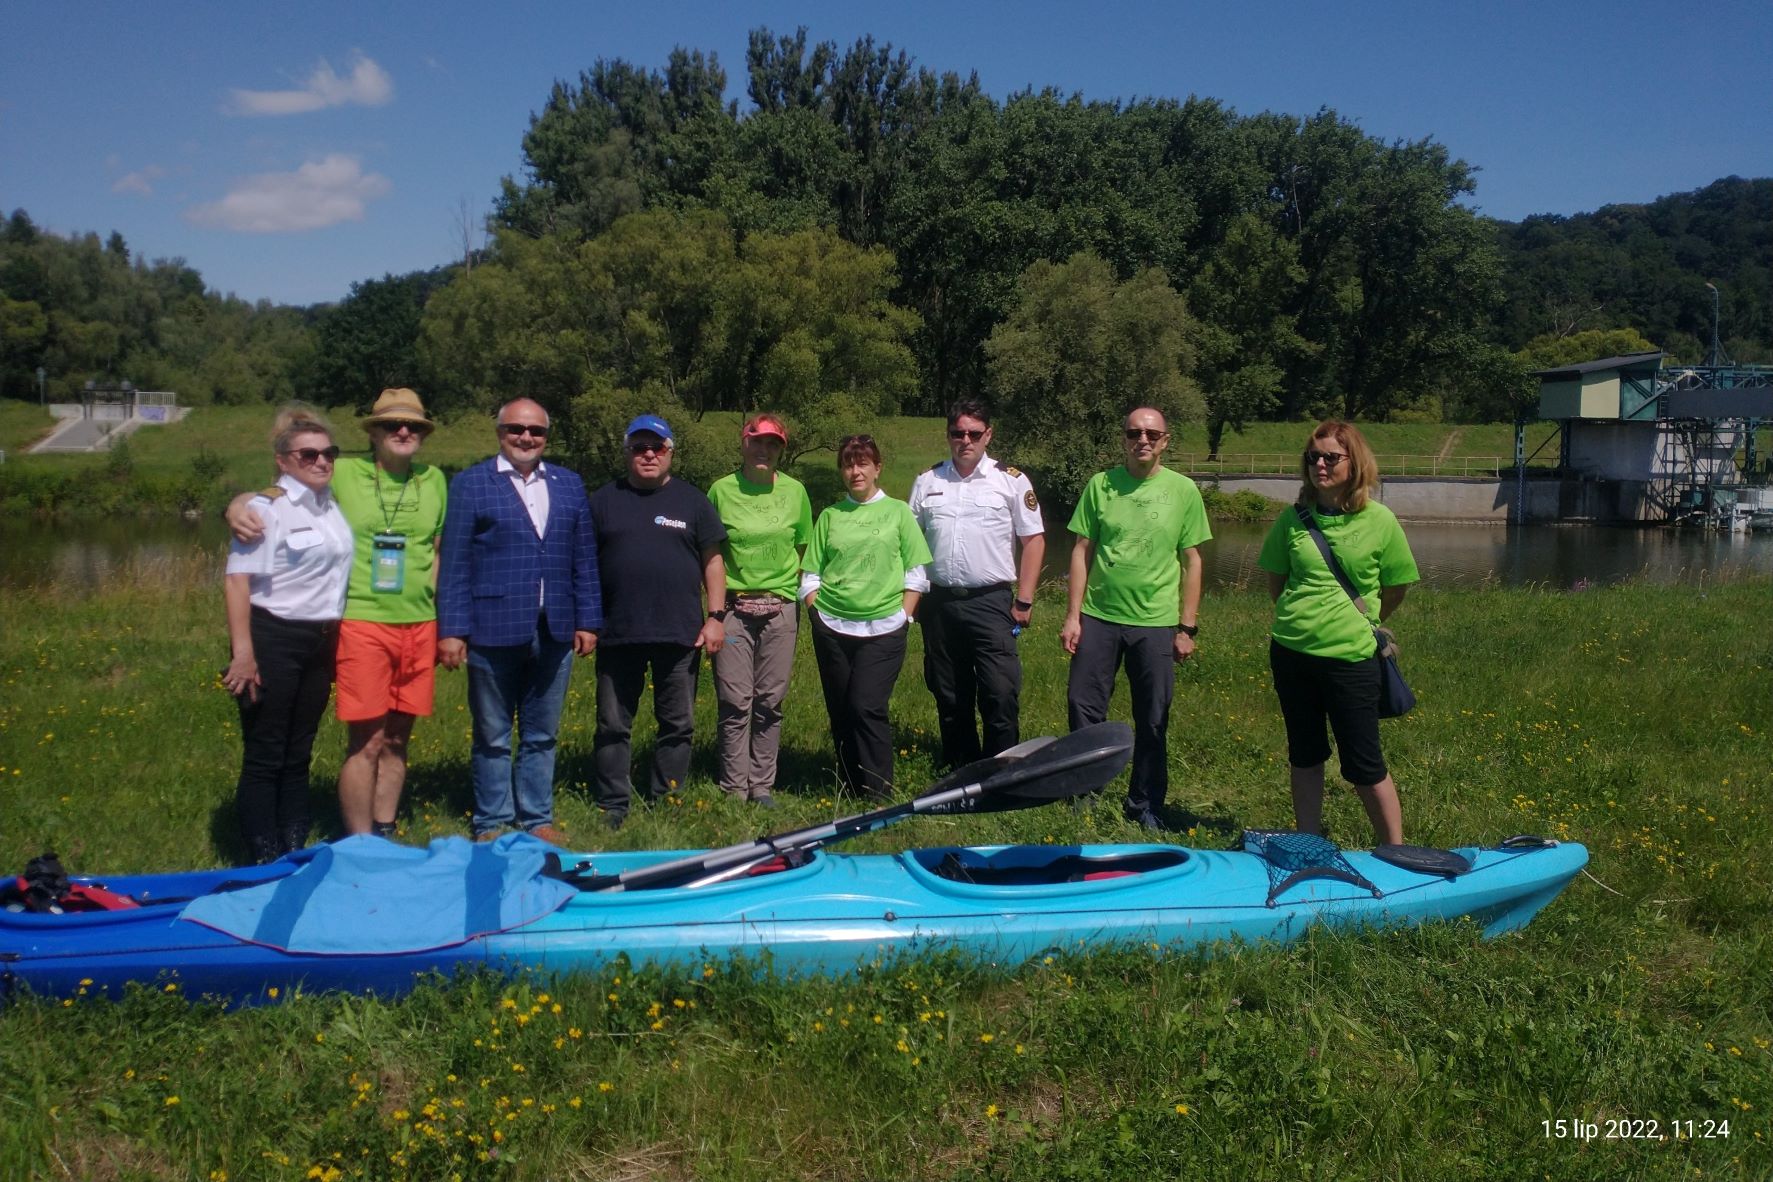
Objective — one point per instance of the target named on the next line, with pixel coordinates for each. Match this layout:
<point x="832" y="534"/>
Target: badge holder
<point x="389" y="566"/>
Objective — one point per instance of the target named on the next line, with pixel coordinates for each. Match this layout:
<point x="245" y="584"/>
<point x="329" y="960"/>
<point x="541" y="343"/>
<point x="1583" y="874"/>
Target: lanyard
<point x="388" y="515"/>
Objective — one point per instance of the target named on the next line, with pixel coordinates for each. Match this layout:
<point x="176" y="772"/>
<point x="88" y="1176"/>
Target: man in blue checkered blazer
<point x="517" y="596"/>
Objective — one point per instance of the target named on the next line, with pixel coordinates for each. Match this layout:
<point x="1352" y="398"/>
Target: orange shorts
<point x="382" y="668"/>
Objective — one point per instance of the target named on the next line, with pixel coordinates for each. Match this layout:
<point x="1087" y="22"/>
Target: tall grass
<point x="1634" y="719"/>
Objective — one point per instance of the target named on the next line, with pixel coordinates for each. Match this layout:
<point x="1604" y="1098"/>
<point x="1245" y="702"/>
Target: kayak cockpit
<point x="1034" y="869"/>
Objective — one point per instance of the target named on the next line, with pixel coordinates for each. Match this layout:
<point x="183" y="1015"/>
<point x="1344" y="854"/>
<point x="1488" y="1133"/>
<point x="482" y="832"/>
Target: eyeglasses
<point x="1135" y="434"/>
<point x="1327" y="458"/>
<point x="516" y="429"/>
<point x="641" y="449"/>
<point x="309" y="456"/>
<point x="957" y="434"/>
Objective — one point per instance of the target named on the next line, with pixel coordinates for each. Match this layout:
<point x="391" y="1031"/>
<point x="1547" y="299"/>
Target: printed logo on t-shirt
<point x="672" y="522"/>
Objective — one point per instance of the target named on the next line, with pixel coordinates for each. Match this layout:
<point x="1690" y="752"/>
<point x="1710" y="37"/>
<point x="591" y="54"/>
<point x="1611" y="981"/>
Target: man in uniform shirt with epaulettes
<point x="973" y="511"/>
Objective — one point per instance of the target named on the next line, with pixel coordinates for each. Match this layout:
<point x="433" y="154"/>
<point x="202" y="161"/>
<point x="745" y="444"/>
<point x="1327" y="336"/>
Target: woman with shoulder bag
<point x="1328" y="560"/>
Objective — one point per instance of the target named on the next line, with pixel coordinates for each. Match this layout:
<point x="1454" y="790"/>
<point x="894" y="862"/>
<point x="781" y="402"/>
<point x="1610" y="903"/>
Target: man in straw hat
<point x="388" y="639"/>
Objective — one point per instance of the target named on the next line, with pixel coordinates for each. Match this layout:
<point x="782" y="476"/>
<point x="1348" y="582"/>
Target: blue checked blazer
<point x="494" y="567"/>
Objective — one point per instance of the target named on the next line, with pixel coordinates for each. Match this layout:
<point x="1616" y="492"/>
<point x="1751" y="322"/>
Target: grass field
<point x="1634" y="719"/>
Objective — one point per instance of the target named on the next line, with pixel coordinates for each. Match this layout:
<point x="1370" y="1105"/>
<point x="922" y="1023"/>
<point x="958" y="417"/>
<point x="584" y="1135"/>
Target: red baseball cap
<point x="765" y="424"/>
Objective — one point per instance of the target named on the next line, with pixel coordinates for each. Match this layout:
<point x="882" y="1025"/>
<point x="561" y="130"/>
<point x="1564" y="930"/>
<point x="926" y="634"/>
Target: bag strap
<point x="1323" y="547"/>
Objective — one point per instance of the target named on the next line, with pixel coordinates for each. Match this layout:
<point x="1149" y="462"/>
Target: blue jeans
<point x="528" y="681"/>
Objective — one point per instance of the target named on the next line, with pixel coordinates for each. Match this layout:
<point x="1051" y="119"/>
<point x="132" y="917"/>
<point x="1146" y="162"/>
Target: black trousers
<point x="621" y="679"/>
<point x="857" y="674"/>
<point x="970" y="658"/>
<point x="1150" y="659"/>
<point x="277" y="731"/>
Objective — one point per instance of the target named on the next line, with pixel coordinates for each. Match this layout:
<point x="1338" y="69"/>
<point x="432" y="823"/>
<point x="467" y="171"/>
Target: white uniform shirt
<point x="971" y="522"/>
<point x="300" y="567"/>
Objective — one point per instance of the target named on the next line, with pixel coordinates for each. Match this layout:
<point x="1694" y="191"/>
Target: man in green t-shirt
<point x="1135" y="596"/>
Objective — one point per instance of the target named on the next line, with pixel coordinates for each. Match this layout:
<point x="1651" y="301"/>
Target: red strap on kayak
<point x="84" y="897"/>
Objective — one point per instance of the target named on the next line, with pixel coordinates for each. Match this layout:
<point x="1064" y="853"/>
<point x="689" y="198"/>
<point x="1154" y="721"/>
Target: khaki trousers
<point x="750" y="682"/>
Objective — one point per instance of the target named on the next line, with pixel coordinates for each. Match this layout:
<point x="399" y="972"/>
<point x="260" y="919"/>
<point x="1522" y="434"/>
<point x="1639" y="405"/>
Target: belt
<point x="322" y="627"/>
<point x="969" y="592"/>
<point x="733" y="597"/>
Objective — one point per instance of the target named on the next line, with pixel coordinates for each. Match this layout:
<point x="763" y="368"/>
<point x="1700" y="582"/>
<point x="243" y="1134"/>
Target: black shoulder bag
<point x="1395" y="696"/>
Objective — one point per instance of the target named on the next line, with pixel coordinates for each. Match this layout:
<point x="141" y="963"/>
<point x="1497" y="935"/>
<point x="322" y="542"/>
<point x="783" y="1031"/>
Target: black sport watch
<point x="1189" y="630"/>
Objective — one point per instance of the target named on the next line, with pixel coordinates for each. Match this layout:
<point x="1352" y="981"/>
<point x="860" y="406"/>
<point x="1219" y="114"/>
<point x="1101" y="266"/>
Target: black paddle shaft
<point x="1080" y="762"/>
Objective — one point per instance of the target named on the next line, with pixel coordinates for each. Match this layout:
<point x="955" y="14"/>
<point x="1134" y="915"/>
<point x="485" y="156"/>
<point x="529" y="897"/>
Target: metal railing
<point x="1287" y="464"/>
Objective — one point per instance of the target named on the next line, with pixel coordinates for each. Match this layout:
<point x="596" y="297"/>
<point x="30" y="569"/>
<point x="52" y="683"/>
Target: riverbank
<point x="1630" y="718"/>
<point x="196" y="465"/>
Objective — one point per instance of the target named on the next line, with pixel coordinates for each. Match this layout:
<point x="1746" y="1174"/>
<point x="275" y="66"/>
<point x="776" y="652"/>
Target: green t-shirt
<point x="765" y="526"/>
<point x="1314" y="614"/>
<point x="374" y="502"/>
<point x="1139" y="527"/>
<point x="861" y="554"/>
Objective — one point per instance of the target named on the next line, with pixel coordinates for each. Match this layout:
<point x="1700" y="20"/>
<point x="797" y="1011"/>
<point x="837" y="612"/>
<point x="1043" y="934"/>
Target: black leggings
<point x="277" y="731"/>
<point x="1313" y="689"/>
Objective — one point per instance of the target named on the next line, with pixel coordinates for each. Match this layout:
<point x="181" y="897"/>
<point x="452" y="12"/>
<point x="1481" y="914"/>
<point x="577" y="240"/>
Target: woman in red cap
<point x="768" y="520"/>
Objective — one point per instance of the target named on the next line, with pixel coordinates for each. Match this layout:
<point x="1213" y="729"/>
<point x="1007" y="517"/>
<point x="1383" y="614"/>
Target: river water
<point x="1557" y="556"/>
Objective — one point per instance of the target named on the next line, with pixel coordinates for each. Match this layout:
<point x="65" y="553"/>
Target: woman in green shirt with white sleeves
<point x="768" y="519"/>
<point x="861" y="579"/>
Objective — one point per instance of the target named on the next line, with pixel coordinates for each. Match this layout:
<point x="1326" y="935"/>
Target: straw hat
<point x="398" y="405"/>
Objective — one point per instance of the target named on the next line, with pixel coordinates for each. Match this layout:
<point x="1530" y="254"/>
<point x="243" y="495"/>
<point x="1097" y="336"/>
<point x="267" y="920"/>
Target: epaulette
<point x="937" y="464"/>
<point x="1010" y="470"/>
<point x="272" y="493"/>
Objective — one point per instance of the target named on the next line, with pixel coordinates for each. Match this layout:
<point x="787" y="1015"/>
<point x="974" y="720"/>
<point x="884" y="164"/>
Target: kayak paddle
<point x="1035" y="773"/>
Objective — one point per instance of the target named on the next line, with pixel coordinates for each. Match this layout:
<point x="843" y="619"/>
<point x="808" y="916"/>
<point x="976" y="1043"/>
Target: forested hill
<point x="1645" y="267"/>
<point x="869" y="237"/>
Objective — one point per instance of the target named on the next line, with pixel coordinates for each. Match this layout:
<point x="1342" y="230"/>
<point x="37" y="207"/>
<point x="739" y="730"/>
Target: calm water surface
<point x="83" y="552"/>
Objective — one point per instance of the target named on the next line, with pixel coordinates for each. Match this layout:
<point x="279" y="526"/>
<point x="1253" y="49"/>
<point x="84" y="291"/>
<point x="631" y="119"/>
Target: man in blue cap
<point x="664" y="603"/>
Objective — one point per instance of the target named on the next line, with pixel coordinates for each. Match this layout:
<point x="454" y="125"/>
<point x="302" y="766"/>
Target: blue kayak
<point x="322" y="919"/>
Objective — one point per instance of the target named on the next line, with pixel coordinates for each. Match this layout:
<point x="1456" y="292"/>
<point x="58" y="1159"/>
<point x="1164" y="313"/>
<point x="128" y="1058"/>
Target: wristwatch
<point x="1024" y="605"/>
<point x="1189" y="630"/>
<point x="719" y="614"/>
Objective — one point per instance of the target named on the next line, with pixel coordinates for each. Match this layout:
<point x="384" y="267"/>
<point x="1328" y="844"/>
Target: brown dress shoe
<point x="549" y="834"/>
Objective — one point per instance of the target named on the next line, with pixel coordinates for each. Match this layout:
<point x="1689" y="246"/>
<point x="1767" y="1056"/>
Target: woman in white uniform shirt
<point x="285" y="594"/>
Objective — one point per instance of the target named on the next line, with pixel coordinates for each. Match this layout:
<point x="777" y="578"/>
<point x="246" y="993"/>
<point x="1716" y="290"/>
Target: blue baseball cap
<point x="652" y="423"/>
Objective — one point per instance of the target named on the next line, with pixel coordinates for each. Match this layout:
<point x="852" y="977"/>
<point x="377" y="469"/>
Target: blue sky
<point x="288" y="150"/>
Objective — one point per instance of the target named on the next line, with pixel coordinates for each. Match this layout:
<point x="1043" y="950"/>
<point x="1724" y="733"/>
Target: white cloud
<point x="318" y="194"/>
<point x="368" y="85"/>
<point x="141" y="181"/>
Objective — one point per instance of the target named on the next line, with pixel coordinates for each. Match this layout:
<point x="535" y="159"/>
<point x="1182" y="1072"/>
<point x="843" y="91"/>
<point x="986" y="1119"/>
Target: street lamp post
<point x="41" y="374"/>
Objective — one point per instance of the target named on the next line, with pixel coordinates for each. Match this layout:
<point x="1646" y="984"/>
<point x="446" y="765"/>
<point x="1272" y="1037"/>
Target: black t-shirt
<point x="650" y="543"/>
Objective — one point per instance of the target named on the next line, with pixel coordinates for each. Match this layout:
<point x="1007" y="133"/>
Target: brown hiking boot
<point x="492" y="834"/>
<point x="549" y="834"/>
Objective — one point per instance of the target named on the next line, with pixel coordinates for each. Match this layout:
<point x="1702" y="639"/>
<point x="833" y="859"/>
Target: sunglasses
<point x="957" y="434"/>
<point x="309" y="456"/>
<point x="516" y="429"/>
<point x="641" y="449"/>
<point x="1135" y="434"/>
<point x="414" y="429"/>
<point x="1328" y="458"/>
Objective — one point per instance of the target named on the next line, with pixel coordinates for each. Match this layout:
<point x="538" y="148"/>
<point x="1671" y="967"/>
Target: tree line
<point x="869" y="237"/>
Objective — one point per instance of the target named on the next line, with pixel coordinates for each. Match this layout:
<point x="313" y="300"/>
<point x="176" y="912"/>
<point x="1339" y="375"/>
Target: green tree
<point x="1079" y="350"/>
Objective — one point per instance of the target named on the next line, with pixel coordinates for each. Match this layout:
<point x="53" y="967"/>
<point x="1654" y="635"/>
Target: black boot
<point x="261" y="850"/>
<point x="294" y="837"/>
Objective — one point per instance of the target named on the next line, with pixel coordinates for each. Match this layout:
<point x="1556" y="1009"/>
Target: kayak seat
<point x="1291" y="857"/>
<point x="971" y="867"/>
